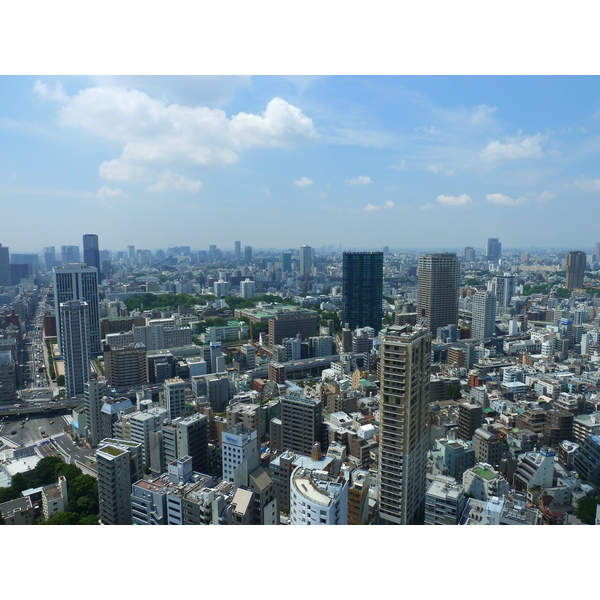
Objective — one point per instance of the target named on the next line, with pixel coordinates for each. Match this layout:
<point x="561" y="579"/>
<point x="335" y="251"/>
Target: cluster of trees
<point x="171" y="301"/>
<point x="586" y="510"/>
<point x="82" y="491"/>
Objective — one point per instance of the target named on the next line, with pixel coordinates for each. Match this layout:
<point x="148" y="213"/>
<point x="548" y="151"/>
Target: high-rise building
<point x="248" y="255"/>
<point x="119" y="465"/>
<point x="173" y="397"/>
<point x="286" y="262"/>
<point x="91" y="252"/>
<point x="69" y="254"/>
<point x="437" y="294"/>
<point x="4" y="266"/>
<point x="305" y="260"/>
<point x="469" y="254"/>
<point x="597" y="251"/>
<point x="240" y="452"/>
<point x="74" y="322"/>
<point x="403" y="435"/>
<point x="484" y="315"/>
<point x="504" y="287"/>
<point x="50" y="257"/>
<point x="126" y="366"/>
<point x="78" y="282"/>
<point x="8" y="378"/>
<point x="494" y="249"/>
<point x="238" y="252"/>
<point x="247" y="289"/>
<point x="94" y="391"/>
<point x="131" y="254"/>
<point x="301" y="422"/>
<point x="363" y="289"/>
<point x="575" y="265"/>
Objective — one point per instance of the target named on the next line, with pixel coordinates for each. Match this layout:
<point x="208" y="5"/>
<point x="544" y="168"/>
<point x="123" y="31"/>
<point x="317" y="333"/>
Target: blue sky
<point x="361" y="161"/>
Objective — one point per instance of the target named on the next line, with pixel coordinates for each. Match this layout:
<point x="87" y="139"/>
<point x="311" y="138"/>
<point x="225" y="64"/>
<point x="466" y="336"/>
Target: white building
<point x="318" y="498"/>
<point x="240" y="454"/>
<point x="74" y="322"/>
<point x="222" y="288"/>
<point x="247" y="289"/>
<point x="173" y="397"/>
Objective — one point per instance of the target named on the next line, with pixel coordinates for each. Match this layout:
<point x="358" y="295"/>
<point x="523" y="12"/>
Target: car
<point x="51" y="422"/>
<point x="13" y="433"/>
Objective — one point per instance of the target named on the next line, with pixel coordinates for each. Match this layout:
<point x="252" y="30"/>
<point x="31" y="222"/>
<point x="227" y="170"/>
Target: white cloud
<point x="483" y="114"/>
<point x="303" y="182"/>
<point x="461" y="200"/>
<point x="431" y="130"/>
<point x="47" y="92"/>
<point x="439" y="168"/>
<point x="155" y="134"/>
<point x="502" y="200"/>
<point x="385" y="205"/>
<point x="172" y="182"/>
<point x="586" y="185"/>
<point x="401" y="166"/>
<point x="360" y="180"/>
<point x="107" y="193"/>
<point x="520" y="146"/>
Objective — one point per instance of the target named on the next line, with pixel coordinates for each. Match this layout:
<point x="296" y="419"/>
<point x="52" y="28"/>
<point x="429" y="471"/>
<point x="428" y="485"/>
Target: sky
<point x="275" y="161"/>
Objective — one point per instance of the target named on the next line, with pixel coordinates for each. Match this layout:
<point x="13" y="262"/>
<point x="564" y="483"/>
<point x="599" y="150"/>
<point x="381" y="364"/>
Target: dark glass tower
<point x="91" y="254"/>
<point x="363" y="289"/>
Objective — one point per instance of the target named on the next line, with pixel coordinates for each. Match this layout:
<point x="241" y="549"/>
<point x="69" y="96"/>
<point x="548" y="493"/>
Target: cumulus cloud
<point x="461" y="200"/>
<point x="172" y="182"/>
<point x="303" y="182"/>
<point x="155" y="134"/>
<point x="50" y="93"/>
<point x="483" y="114"/>
<point x="439" y="168"/>
<point x="520" y="146"/>
<point x="385" y="205"/>
<point x="502" y="200"/>
<point x="360" y="180"/>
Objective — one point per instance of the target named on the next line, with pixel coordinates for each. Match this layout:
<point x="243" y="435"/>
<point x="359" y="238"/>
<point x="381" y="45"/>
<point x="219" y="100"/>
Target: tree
<point x="61" y="518"/>
<point x="586" y="509"/>
<point x="60" y="380"/>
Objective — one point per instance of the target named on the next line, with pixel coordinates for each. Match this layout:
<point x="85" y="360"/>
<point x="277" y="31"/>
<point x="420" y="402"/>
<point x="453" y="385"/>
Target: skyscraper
<point x="91" y="253"/>
<point x="69" y="254"/>
<point x="74" y="322"/>
<point x="504" y="287"/>
<point x="300" y="422"/>
<point x="50" y="257"/>
<point x="469" y="254"/>
<point x="248" y="255"/>
<point x="286" y="262"/>
<point x="305" y="260"/>
<point x="4" y="266"/>
<point x="437" y="294"/>
<point x="238" y="252"/>
<point x="494" y="249"/>
<point x="404" y="407"/>
<point x="575" y="265"/>
<point x="78" y="282"/>
<point x="484" y="315"/>
<point x="363" y="289"/>
<point x="131" y="254"/>
<point x="94" y="390"/>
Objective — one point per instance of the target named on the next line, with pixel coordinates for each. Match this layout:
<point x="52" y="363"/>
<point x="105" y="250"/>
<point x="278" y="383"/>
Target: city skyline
<point x="403" y="161"/>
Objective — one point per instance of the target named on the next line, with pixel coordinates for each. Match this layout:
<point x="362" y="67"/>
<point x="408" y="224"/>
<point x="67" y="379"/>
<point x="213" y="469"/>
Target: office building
<point x="286" y="262"/>
<point x="289" y="324"/>
<point x="318" y="498"/>
<point x="119" y="466"/>
<point x="187" y="436"/>
<point x="305" y="260"/>
<point x="362" y="292"/>
<point x="575" y="266"/>
<point x="248" y="255"/>
<point x="494" y="249"/>
<point x="237" y="253"/>
<point x="94" y="391"/>
<point x="70" y="254"/>
<point x="173" y="397"/>
<point x="240" y="454"/>
<point x="4" y="266"/>
<point x="78" y="282"/>
<point x="403" y="437"/>
<point x="137" y="427"/>
<point x="504" y="287"/>
<point x="444" y="502"/>
<point x="74" y="321"/>
<point x="91" y="252"/>
<point x="470" y="417"/>
<point x="127" y="366"/>
<point x="8" y="378"/>
<point x="469" y="254"/>
<point x="437" y="293"/>
<point x="301" y="422"/>
<point x="484" y="315"/>
<point x="50" y="258"/>
<point x="586" y="460"/>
